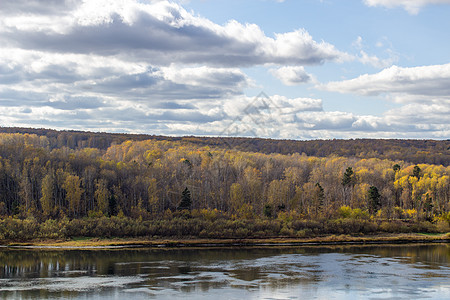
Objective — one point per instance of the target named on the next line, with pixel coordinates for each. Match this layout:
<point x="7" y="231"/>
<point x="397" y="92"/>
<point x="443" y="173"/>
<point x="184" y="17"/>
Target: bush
<point x="349" y="226"/>
<point x="51" y="229"/>
<point x="394" y="227"/>
<point x="205" y="224"/>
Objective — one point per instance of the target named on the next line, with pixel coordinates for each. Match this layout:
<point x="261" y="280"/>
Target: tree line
<point x="412" y="151"/>
<point x="153" y="179"/>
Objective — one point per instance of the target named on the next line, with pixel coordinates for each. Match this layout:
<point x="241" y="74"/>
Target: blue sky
<point x="331" y="69"/>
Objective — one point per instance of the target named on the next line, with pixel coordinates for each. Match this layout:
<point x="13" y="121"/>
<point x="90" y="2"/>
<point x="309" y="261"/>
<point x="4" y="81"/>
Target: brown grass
<point x="92" y="243"/>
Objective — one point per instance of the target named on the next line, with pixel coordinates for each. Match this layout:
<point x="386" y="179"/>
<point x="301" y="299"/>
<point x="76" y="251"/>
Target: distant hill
<point x="414" y="151"/>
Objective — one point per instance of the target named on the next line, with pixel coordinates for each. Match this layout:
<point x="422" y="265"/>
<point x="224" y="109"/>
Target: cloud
<point x="358" y="43"/>
<point x="376" y="61"/>
<point x="132" y="65"/>
<point x="277" y="106"/>
<point x="373" y="60"/>
<point x="412" y="6"/>
<point x="277" y="117"/>
<point x="205" y="76"/>
<point x="430" y="114"/>
<point x="416" y="82"/>
<point x="160" y="33"/>
<point x="291" y="75"/>
<point x="154" y="67"/>
<point x="38" y="6"/>
<point x="79" y="74"/>
<point x="424" y="93"/>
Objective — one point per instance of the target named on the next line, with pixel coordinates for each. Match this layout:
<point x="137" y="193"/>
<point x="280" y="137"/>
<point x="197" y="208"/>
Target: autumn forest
<point x="63" y="184"/>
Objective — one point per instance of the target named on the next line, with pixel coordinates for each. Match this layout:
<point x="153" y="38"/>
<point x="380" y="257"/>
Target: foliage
<point x="374" y="199"/>
<point x="412" y="151"/>
<point x="268" y="211"/>
<point x="198" y="226"/>
<point x="61" y="185"/>
<point x="186" y="201"/>
<point x="348" y="176"/>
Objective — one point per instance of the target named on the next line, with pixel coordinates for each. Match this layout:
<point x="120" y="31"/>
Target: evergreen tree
<point x="348" y="177"/>
<point x="347" y="184"/>
<point x="320" y="195"/>
<point x="428" y="207"/>
<point x="268" y="211"/>
<point x="416" y="172"/>
<point x="186" y="201"/>
<point x="374" y="199"/>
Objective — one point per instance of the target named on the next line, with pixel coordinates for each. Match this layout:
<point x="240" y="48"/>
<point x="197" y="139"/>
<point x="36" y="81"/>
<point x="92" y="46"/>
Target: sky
<point x="310" y="69"/>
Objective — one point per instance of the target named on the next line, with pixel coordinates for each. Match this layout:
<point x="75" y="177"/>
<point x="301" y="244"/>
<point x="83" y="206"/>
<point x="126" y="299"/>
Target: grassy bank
<point x="89" y="243"/>
<point x="186" y="229"/>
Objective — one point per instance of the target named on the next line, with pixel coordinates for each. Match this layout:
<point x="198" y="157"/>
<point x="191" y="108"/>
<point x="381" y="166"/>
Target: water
<point x="347" y="272"/>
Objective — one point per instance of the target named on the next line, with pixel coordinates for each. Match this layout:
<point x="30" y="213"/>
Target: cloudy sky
<point x="327" y="68"/>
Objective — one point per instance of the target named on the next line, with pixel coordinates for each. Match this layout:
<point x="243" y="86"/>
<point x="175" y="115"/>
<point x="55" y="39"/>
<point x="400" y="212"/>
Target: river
<point x="335" y="272"/>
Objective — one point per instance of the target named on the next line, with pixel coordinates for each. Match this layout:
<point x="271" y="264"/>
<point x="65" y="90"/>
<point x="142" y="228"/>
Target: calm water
<point x="375" y="272"/>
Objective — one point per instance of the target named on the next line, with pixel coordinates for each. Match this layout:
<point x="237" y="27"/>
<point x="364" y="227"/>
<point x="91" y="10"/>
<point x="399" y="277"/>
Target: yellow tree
<point x="47" y="190"/>
<point x="236" y="197"/>
<point x="253" y="185"/>
<point x="102" y="196"/>
<point x="360" y="199"/>
<point x="72" y="185"/>
<point x="277" y="194"/>
<point x="313" y="194"/>
<point x="153" y="200"/>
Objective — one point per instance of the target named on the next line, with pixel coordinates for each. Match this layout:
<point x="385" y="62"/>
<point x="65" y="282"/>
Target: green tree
<point x="186" y="201"/>
<point x="374" y="199"/>
<point x="347" y="179"/>
<point x="428" y="206"/>
<point x="416" y="172"/>
<point x="267" y="211"/>
<point x="319" y="195"/>
<point x="396" y="168"/>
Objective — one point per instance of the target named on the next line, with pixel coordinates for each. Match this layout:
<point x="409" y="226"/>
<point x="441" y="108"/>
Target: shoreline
<point x="329" y="240"/>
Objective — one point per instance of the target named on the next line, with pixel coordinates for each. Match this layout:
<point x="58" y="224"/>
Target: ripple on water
<point x="71" y="284"/>
<point x="239" y="274"/>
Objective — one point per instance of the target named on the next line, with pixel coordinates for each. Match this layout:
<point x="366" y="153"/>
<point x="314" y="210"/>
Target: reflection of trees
<point x="191" y="270"/>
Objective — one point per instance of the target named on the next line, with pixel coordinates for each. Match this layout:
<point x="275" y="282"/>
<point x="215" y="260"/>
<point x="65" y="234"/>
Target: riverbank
<point x="89" y="243"/>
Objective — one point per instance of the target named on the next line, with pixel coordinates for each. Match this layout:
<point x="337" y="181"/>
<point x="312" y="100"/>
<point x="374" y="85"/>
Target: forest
<point x="57" y="185"/>
<point x="413" y="151"/>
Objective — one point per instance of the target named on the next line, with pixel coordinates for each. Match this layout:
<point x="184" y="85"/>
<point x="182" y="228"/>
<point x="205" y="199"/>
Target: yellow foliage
<point x="246" y="211"/>
<point x="410" y="213"/>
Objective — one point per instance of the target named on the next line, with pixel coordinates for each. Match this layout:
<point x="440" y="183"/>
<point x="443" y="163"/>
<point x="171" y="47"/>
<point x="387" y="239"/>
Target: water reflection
<point x="377" y="272"/>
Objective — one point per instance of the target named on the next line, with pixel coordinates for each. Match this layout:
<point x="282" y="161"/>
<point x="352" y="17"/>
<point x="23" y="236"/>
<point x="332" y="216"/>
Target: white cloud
<point x="291" y="75"/>
<point x="38" y="6"/>
<point x="412" y="6"/>
<point x="423" y="91"/>
<point x="373" y="60"/>
<point x="358" y="43"/>
<point x="160" y="32"/>
<point x="417" y="113"/>
<point x="126" y="65"/>
<point x="426" y="81"/>
<point x="376" y="61"/>
<point x="277" y="106"/>
<point x="152" y="66"/>
<point x="206" y="76"/>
